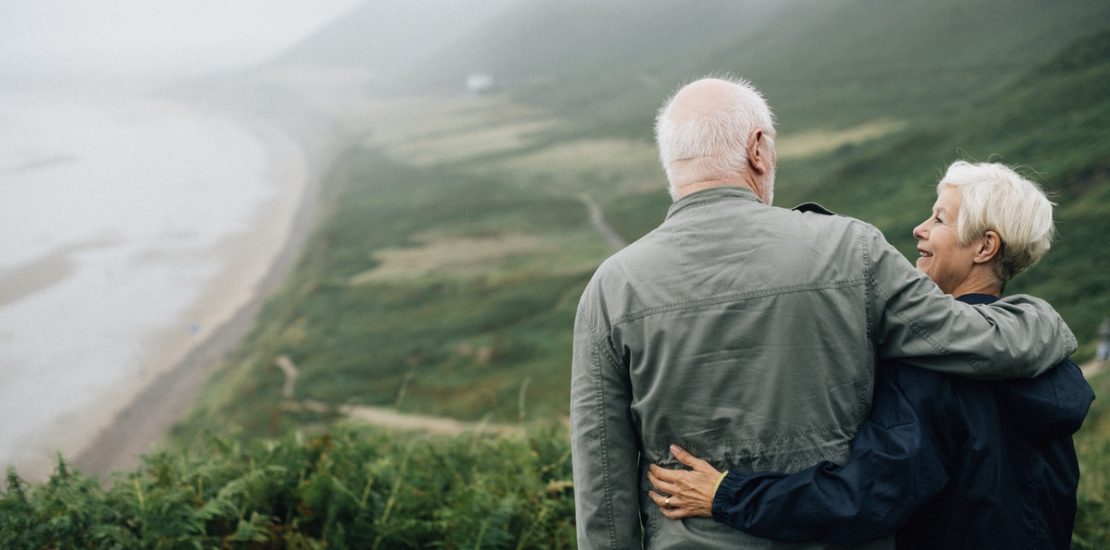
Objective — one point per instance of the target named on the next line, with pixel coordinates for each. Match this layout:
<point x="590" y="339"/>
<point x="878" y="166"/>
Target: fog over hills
<point x="609" y="61"/>
<point x="386" y="37"/>
<point x="113" y="43"/>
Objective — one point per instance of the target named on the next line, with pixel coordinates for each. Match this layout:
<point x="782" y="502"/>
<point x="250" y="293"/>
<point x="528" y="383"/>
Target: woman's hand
<point x="691" y="491"/>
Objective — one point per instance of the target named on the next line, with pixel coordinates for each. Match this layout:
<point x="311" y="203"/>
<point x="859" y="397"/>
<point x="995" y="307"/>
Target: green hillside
<point x="1053" y="123"/>
<point x="824" y="64"/>
<point x="454" y="242"/>
<point x="444" y="277"/>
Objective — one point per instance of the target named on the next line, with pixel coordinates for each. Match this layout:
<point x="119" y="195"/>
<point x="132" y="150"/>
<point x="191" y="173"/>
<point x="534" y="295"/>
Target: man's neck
<point x="691" y="188"/>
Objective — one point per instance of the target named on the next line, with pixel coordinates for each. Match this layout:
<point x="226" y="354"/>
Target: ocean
<point x="121" y="221"/>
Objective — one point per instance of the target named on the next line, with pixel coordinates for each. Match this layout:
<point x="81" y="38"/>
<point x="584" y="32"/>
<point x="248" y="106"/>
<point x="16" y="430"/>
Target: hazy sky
<point x="151" y="38"/>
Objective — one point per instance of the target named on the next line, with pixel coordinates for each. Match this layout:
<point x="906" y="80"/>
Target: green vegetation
<point x="351" y="488"/>
<point x="359" y="488"/>
<point x="442" y="295"/>
<point x="445" y="274"/>
<point x="1054" y="124"/>
<point x="1092" y="530"/>
<point x="451" y="251"/>
<point x="822" y="64"/>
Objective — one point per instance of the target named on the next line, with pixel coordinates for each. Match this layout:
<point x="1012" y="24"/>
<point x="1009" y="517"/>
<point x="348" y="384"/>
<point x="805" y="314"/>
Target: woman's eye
<point x="938" y="220"/>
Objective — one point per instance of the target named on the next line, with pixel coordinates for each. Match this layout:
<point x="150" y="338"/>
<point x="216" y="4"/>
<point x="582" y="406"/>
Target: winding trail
<point x="383" y="417"/>
<point x="597" y="219"/>
<point x="287" y="367"/>
<point x="389" y="418"/>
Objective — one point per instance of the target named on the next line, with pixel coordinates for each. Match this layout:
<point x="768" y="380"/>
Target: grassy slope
<point x="1055" y="121"/>
<point x="462" y="338"/>
<point x="490" y="339"/>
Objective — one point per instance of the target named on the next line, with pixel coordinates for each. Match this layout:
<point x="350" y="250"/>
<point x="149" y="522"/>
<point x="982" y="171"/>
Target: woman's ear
<point x="990" y="244"/>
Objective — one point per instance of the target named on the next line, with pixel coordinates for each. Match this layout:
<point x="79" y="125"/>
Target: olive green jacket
<point x="748" y="335"/>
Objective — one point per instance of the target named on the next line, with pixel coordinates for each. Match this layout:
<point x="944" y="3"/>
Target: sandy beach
<point x="134" y="415"/>
<point x="254" y="264"/>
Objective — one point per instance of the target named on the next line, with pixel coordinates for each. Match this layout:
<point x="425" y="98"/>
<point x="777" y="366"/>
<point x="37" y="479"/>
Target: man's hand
<point x="691" y="491"/>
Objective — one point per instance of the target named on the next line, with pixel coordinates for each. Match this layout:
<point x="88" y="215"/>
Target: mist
<point x="263" y="217"/>
<point x="62" y="42"/>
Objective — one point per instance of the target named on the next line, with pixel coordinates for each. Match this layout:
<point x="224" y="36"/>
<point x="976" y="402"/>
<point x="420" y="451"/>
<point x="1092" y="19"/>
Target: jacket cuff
<point x="727" y="492"/>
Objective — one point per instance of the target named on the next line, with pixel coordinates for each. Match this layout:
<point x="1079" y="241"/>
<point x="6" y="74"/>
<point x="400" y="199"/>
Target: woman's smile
<point x="941" y="256"/>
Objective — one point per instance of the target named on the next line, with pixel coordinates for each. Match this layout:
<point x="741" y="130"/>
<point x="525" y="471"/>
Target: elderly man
<point x="747" y="334"/>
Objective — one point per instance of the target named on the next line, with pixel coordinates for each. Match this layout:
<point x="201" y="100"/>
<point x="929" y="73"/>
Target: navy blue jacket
<point x="943" y="462"/>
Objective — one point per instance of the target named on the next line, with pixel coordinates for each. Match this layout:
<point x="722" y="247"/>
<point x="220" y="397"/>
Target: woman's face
<point x="941" y="256"/>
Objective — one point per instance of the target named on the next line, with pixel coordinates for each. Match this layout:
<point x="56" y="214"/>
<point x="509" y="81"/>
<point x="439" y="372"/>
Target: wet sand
<point x="254" y="265"/>
<point x="27" y="279"/>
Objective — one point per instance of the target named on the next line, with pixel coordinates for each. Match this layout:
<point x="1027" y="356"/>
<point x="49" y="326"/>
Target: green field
<point x="453" y="245"/>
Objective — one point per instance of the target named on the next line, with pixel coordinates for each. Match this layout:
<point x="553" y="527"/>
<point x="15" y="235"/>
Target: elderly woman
<point x="943" y="461"/>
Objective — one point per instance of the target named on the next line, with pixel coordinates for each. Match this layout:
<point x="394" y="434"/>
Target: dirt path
<point x="381" y="416"/>
<point x="597" y="219"/>
<point x="290" y="371"/>
<point x="389" y="418"/>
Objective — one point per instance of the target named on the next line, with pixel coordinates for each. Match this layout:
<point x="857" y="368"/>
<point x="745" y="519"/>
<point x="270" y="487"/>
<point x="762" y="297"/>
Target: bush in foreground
<point x="349" y="489"/>
<point x="361" y="488"/>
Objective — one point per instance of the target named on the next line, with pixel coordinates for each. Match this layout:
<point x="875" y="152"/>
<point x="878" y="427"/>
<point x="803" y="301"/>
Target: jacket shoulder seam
<point x="732" y="297"/>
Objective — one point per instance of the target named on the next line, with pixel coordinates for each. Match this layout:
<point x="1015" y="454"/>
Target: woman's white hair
<point x="994" y="197"/>
<point x="718" y="137"/>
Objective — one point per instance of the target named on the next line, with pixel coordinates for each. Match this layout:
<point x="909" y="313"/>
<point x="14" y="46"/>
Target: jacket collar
<point x="707" y="196"/>
<point x="976" y="299"/>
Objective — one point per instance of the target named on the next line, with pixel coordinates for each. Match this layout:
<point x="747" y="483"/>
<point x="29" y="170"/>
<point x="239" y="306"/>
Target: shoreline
<point x="163" y="398"/>
<point x="154" y="287"/>
<point x="108" y="406"/>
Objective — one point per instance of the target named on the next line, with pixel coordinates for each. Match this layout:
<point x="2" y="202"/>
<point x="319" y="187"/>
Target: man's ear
<point x="988" y="247"/>
<point x="758" y="161"/>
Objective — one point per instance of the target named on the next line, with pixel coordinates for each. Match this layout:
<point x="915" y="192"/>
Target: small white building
<point x="479" y="83"/>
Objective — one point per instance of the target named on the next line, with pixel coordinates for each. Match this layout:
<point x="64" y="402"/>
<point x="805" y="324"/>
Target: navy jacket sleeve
<point x="897" y="463"/>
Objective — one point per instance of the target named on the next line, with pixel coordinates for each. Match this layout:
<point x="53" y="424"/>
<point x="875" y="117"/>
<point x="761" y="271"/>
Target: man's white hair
<point x="994" y="197"/>
<point x="719" y="138"/>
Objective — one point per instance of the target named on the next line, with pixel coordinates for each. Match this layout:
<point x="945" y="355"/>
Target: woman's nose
<point x="919" y="232"/>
